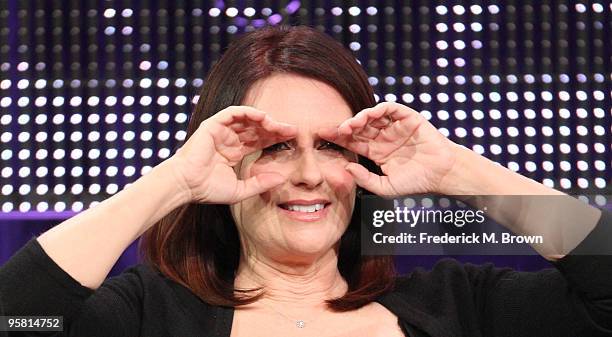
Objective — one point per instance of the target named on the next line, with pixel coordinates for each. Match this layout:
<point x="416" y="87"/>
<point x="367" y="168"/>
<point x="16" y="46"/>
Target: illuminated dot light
<point x="139" y="112"/>
<point x="77" y="206"/>
<point x="145" y="169"/>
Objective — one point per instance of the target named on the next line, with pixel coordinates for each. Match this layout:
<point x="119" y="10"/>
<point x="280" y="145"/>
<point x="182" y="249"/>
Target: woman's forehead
<point x="298" y="100"/>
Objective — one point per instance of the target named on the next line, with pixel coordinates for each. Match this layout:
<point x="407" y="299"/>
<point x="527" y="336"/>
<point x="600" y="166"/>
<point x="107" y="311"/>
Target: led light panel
<point x="95" y="94"/>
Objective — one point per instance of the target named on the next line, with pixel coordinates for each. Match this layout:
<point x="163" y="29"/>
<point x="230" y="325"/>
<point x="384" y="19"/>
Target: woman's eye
<point x="331" y="146"/>
<point x="276" y="147"/>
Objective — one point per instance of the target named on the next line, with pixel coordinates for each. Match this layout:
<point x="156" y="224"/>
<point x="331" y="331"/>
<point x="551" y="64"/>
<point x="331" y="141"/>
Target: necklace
<point x="299" y="323"/>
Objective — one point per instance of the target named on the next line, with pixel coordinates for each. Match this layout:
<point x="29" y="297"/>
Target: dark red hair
<point x="197" y="245"/>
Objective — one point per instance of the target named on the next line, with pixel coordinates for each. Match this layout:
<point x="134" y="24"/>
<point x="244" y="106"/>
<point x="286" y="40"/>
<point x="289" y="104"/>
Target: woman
<point x="250" y="229"/>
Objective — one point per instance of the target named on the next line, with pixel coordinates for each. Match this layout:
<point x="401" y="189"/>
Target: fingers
<point x="253" y="138"/>
<point x="375" y="132"/>
<point x="347" y="141"/>
<point x="242" y="117"/>
<point x="380" y="185"/>
<point x="267" y="125"/>
<point x="382" y="116"/>
<point x="329" y="133"/>
<point x="403" y="129"/>
<point x="395" y="111"/>
<point x="387" y="122"/>
<point x="245" y="129"/>
<point x="258" y="184"/>
<point x="257" y="142"/>
<point x="245" y="118"/>
<point x="382" y="122"/>
<point x="360" y="120"/>
<point x="283" y="129"/>
<point x="235" y="113"/>
<point x="369" y="132"/>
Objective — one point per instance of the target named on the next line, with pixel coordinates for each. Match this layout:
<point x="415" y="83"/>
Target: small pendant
<point x="300" y="324"/>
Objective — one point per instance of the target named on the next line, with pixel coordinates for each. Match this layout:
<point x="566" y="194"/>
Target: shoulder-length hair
<point x="197" y="245"/>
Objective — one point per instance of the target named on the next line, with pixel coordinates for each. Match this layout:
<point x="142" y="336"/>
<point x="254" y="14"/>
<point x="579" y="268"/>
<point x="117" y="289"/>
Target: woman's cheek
<point x="339" y="179"/>
<point x="332" y="168"/>
<point x="276" y="167"/>
<point x="249" y="167"/>
<point x="343" y="185"/>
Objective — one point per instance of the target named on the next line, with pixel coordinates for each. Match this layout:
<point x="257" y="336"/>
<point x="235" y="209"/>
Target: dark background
<point x="95" y="93"/>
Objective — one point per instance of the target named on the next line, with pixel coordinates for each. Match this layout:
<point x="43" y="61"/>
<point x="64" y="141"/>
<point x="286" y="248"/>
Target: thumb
<point x="372" y="182"/>
<point x="258" y="184"/>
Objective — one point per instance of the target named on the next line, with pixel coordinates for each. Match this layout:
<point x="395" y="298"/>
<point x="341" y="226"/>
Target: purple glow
<point x="258" y="23"/>
<point x="293" y="6"/>
<point x="275" y="18"/>
<point x="37" y="215"/>
<point x="241" y="21"/>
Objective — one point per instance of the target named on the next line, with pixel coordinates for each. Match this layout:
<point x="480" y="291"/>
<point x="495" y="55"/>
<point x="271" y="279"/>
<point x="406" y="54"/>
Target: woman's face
<point x="304" y="217"/>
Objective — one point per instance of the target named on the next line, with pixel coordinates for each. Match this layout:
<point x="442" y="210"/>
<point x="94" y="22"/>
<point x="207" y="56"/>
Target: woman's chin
<point x="309" y="246"/>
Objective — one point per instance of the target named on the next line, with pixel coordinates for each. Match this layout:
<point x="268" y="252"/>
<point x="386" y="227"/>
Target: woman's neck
<point x="303" y="285"/>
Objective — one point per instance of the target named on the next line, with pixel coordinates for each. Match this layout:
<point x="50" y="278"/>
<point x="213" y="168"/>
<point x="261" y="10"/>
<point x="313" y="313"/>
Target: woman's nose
<point x="307" y="171"/>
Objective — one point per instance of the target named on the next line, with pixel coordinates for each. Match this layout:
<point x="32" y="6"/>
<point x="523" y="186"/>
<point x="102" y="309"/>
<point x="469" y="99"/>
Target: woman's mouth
<point x="305" y="210"/>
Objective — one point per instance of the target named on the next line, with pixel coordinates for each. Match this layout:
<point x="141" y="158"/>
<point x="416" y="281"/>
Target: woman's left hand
<point x="412" y="154"/>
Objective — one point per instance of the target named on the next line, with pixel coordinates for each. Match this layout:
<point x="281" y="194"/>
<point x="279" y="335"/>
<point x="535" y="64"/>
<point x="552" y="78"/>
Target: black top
<point x="453" y="299"/>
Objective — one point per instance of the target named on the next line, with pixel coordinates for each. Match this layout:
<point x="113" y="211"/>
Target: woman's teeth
<point x="304" y="208"/>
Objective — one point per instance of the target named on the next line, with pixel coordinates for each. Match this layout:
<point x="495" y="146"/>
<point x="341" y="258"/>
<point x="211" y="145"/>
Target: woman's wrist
<point x="473" y="174"/>
<point x="460" y="178"/>
<point x="167" y="172"/>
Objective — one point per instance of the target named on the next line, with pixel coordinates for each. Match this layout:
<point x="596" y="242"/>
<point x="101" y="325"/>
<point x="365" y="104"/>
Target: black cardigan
<point x="453" y="299"/>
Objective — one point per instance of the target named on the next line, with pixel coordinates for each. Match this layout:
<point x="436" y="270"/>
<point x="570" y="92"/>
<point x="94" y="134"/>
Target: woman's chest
<point x="373" y="320"/>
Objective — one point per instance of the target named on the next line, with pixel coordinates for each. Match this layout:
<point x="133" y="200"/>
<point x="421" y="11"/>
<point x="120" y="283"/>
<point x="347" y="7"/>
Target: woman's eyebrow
<point x="316" y="140"/>
<point x="291" y="141"/>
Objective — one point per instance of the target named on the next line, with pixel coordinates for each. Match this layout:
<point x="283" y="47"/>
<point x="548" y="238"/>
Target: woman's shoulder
<point x="449" y="273"/>
<point x="144" y="271"/>
<point x="135" y="282"/>
<point x="450" y="278"/>
<point x="146" y="278"/>
<point x="148" y="284"/>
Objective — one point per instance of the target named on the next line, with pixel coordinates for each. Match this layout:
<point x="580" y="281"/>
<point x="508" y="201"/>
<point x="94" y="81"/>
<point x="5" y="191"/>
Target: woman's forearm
<point x="87" y="245"/>
<point x="522" y="205"/>
<point x="477" y="175"/>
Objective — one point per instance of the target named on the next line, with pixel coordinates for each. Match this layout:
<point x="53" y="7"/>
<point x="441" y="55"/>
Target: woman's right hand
<point x="204" y="164"/>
